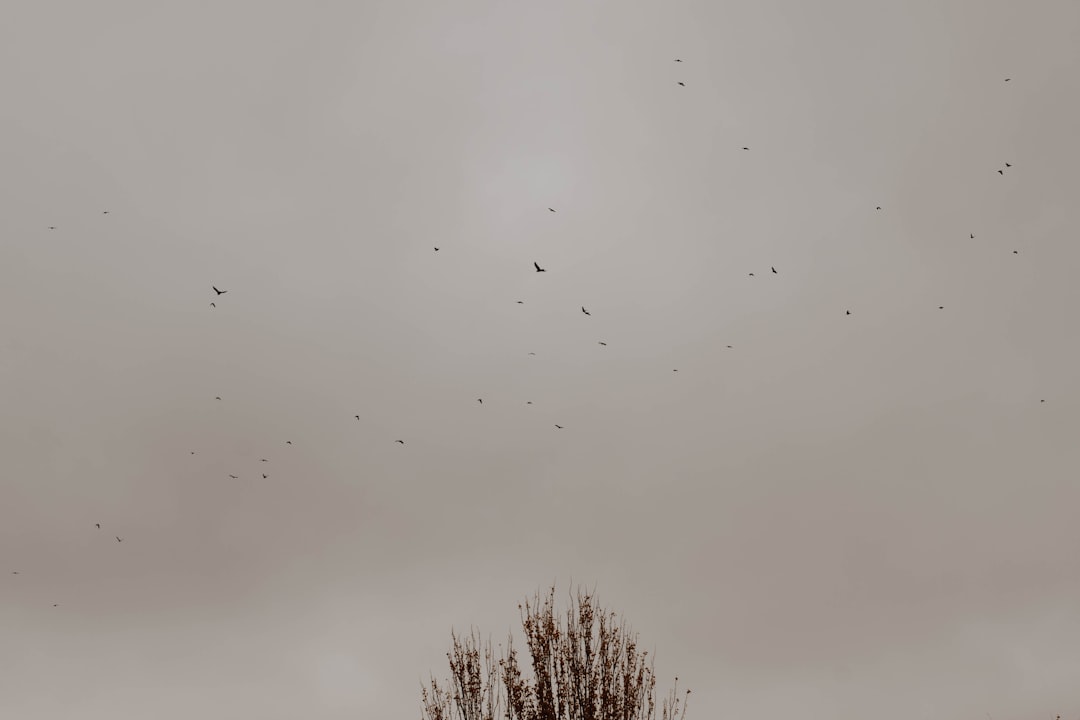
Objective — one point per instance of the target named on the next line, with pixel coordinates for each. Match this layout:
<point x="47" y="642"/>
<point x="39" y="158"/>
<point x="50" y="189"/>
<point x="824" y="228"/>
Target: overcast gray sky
<point x="839" y="516"/>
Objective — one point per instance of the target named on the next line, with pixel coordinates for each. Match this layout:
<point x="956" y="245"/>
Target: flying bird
<point x="263" y="460"/>
<point x="400" y="441"/>
<point x="480" y="400"/>
<point x="551" y="209"/>
<point x="559" y="426"/>
<point x="288" y="442"/>
<point x="678" y="60"/>
<point x="940" y="307"/>
<point x="219" y="292"/>
<point x="1008" y="165"/>
<point x="1016" y="252"/>
<point x="264" y="476"/>
<point x="234" y="477"/>
<point x="774" y="271"/>
<point x="1001" y="172"/>
<point x="356" y="416"/>
<point x="847" y="312"/>
<point x="532" y="353"/>
<point x="878" y="207"/>
<point x="118" y="538"/>
<point x="97" y="525"/>
<point x="1008" y="79"/>
<point x="973" y="236"/>
<point x="217" y="397"/>
<point x="603" y="343"/>
<point x="520" y="302"/>
<point x="683" y="84"/>
<point x="436" y="249"/>
<point x="751" y="274"/>
<point x="538" y="268"/>
<point x="105" y="213"/>
<point x="52" y="227"/>
<point x="213" y="305"/>
<point x="528" y="402"/>
<point x="746" y="148"/>
<point x="585" y="311"/>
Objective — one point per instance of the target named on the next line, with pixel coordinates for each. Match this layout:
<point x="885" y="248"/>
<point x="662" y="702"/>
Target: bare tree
<point x="578" y="674"/>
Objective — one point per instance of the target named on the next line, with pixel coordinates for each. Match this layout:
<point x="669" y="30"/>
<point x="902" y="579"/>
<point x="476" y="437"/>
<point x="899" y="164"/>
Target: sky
<point x="846" y="488"/>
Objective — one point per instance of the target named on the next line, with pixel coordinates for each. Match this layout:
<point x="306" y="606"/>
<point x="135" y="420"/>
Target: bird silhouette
<point x="1008" y="79"/>
<point x="559" y="426"/>
<point x="878" y="207"/>
<point x="751" y="274"/>
<point x="480" y="400"/>
<point x="356" y="416"/>
<point x="746" y="148"/>
<point x="97" y="525"/>
<point x="538" y="268"/>
<point x="14" y="572"/>
<point x="1001" y="172"/>
<point x="678" y="60"/>
<point x="118" y="538"/>
<point x="263" y="460"/>
<point x="774" y="271"/>
<point x="532" y="353"/>
<point x="940" y="307"/>
<point x="288" y="442"/>
<point x="585" y="311"/>
<point x="217" y="397"/>
<point x="520" y="302"/>
<point x="213" y="305"/>
<point x="400" y="441"/>
<point x="1016" y="252"/>
<point x="219" y="292"/>
<point x="551" y="209"/>
<point x="436" y="249"/>
<point x="603" y="343"/>
<point x="56" y="604"/>
<point x="973" y="236"/>
<point x="1008" y="165"/>
<point x="847" y="312"/>
<point x="52" y="227"/>
<point x="105" y="213"/>
<point x="264" y="476"/>
<point x="683" y="84"/>
<point x="234" y="477"/>
<point x="528" y="402"/>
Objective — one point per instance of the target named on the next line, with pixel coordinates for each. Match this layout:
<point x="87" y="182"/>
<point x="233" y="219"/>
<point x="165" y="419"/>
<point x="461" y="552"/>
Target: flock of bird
<point x="218" y="293"/>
